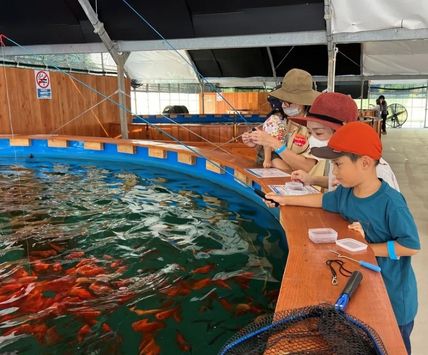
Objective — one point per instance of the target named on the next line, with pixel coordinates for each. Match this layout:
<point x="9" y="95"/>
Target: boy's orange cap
<point x="354" y="137"/>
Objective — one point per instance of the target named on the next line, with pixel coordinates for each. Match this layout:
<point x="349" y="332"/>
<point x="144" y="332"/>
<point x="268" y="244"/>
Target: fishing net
<point x="317" y="330"/>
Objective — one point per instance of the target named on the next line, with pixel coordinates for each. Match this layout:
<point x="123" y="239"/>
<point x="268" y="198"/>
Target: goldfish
<point x="100" y="289"/>
<point x="166" y="314"/>
<point x="222" y="283"/>
<point x="52" y="337"/>
<point x="40" y="266"/>
<point x="75" y="255"/>
<point x="83" y="332"/>
<point x="143" y="312"/>
<point x="80" y="292"/>
<point x="203" y="269"/>
<point x="226" y="305"/>
<point x="43" y="253"/>
<point x="106" y="328"/>
<point x="181" y="341"/>
<point x="146" y="326"/>
<point x="201" y="284"/>
<point x="148" y="346"/>
<point x="242" y="308"/>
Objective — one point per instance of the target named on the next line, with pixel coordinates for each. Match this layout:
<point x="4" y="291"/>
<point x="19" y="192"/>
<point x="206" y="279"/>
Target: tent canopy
<point x="252" y="41"/>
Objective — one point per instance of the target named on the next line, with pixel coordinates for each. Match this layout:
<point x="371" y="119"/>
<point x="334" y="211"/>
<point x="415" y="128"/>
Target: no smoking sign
<point x="43" y="84"/>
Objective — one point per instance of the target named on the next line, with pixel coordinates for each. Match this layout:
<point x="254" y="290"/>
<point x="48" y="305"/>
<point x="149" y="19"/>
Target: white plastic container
<point x="351" y="245"/>
<point x="322" y="235"/>
<point x="294" y="185"/>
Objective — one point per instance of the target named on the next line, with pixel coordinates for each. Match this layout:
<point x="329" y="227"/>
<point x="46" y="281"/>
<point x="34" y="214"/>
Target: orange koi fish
<point x="100" y="289"/>
<point x="148" y="346"/>
<point x="201" y="284"/>
<point x="166" y="314"/>
<point x="181" y="341"/>
<point x="226" y="305"/>
<point x="146" y="326"/>
<point x="43" y="253"/>
<point x="203" y="269"/>
<point x="242" y="308"/>
<point x="81" y="293"/>
<point x="75" y="255"/>
<point x="83" y="332"/>
<point x="143" y="312"/>
<point x="52" y="337"/>
<point x="222" y="283"/>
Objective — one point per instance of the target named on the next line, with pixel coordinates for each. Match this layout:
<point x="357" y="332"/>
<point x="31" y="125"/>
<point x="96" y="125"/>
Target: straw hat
<point x="296" y="88"/>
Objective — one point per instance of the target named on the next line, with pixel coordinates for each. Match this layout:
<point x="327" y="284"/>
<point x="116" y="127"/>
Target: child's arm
<point x="380" y="249"/>
<point x="312" y="200"/>
<point x="267" y="163"/>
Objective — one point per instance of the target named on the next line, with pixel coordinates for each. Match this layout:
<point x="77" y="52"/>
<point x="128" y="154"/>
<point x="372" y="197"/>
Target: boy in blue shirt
<point x="381" y="213"/>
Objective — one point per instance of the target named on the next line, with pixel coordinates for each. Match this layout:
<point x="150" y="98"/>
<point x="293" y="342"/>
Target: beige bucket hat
<point x="296" y="88"/>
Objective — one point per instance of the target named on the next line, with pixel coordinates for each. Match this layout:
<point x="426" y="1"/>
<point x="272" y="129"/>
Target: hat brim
<point x="301" y="98"/>
<point x="326" y="153"/>
<point x="302" y="120"/>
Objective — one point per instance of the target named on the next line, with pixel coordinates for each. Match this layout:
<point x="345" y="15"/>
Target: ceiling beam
<point x="392" y="34"/>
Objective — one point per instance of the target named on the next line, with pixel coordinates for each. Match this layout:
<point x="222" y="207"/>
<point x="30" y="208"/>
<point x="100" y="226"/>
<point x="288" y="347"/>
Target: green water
<point x="84" y="246"/>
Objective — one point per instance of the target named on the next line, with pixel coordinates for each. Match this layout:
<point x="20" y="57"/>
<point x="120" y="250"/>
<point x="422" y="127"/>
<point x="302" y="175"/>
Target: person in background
<point x="382" y="213"/>
<point x="383" y="111"/>
<point x="295" y="96"/>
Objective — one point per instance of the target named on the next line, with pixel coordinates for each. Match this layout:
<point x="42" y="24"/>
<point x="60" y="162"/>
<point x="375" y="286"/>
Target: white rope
<point x="84" y="112"/>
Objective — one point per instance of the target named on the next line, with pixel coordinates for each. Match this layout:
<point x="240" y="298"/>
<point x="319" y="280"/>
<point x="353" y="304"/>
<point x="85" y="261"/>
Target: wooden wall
<point x="70" y="99"/>
<point x="244" y="102"/>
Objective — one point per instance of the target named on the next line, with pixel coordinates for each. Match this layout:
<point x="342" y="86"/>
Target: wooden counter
<point x="307" y="280"/>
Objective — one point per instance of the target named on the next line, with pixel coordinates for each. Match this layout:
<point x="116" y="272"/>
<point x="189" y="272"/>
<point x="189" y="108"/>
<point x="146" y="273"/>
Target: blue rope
<point x="143" y="119"/>
<point x="200" y="76"/>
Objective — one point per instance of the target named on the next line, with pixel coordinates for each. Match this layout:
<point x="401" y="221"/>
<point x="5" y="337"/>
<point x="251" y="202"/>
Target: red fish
<point x="148" y="346"/>
<point x="181" y="341"/>
<point x="226" y="305"/>
<point x="75" y="255"/>
<point x="40" y="266"/>
<point x="106" y="328"/>
<point x="146" y="326"/>
<point x="222" y="283"/>
<point x="201" y="284"/>
<point x="52" y="337"/>
<point x="43" y="253"/>
<point x="100" y="289"/>
<point x="83" y="332"/>
<point x="143" y="312"/>
<point x="203" y="269"/>
<point x="81" y="293"/>
<point x="242" y="308"/>
<point x="166" y="314"/>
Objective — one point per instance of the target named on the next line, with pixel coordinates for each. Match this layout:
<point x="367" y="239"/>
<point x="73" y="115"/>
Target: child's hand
<point x="303" y="176"/>
<point x="246" y="139"/>
<point x="267" y="164"/>
<point x="356" y="226"/>
<point x="275" y="197"/>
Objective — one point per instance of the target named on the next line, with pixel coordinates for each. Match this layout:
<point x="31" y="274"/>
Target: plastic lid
<point x="322" y="235"/>
<point x="351" y="244"/>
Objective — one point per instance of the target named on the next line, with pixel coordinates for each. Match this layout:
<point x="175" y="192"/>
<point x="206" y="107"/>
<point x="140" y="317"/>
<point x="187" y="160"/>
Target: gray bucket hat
<point x="296" y="88"/>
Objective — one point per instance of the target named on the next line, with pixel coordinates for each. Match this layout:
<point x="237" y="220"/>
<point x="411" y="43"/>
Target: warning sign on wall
<point x="43" y="84"/>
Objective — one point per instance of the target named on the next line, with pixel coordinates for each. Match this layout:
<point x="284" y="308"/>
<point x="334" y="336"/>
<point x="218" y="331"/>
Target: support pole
<point x="119" y="59"/>
<point x="122" y="98"/>
<point x="331" y="47"/>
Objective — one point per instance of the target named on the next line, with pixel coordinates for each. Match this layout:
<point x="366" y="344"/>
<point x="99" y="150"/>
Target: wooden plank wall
<point x="215" y="133"/>
<point x="70" y="99"/>
<point x="244" y="102"/>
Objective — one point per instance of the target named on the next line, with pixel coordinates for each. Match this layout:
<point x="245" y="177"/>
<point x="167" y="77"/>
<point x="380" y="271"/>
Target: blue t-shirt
<point x="384" y="216"/>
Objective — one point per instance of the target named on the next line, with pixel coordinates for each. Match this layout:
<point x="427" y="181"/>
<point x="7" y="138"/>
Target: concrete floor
<point x="406" y="150"/>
